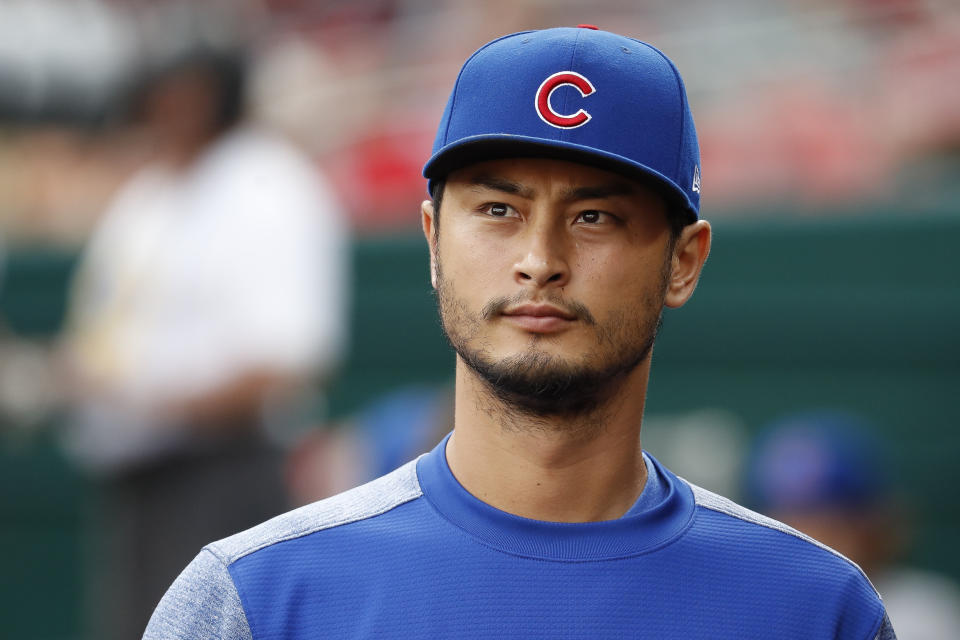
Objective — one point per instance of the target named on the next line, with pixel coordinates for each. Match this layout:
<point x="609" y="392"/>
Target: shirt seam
<point x="879" y="625"/>
<point x="797" y="535"/>
<point x="229" y="560"/>
<point x="239" y="588"/>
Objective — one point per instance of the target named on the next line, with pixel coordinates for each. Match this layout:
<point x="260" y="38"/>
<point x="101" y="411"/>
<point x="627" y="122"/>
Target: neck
<point x="179" y="150"/>
<point x="578" y="469"/>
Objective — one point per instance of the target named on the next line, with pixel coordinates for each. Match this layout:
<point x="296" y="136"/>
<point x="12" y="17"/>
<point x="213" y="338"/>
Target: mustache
<point x="498" y="305"/>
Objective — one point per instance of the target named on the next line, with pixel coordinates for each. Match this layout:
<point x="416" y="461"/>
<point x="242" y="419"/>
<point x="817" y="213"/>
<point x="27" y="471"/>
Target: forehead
<point x="547" y="178"/>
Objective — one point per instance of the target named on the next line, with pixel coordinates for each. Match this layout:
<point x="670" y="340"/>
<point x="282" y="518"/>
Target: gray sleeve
<point x="886" y="630"/>
<point x="201" y="603"/>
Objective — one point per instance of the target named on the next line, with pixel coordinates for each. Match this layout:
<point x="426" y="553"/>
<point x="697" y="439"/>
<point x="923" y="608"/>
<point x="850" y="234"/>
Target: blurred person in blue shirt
<point x="826" y="474"/>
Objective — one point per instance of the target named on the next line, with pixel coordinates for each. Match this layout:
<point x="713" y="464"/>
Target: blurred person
<point x="382" y="435"/>
<point x="211" y="293"/>
<point x="564" y="217"/>
<point x="825" y="473"/>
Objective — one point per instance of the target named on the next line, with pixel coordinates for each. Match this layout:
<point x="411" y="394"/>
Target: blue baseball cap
<point x="578" y="94"/>
<point x="817" y="459"/>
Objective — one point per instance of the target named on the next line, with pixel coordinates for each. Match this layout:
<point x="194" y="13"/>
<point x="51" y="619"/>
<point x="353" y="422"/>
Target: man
<point x="565" y="182"/>
<point x="211" y="290"/>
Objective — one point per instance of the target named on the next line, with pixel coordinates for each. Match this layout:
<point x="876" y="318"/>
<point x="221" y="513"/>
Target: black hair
<point x="436" y="195"/>
<point x="227" y="70"/>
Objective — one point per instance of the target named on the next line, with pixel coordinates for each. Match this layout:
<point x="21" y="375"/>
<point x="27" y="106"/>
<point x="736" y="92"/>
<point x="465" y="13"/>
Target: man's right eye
<point x="500" y="210"/>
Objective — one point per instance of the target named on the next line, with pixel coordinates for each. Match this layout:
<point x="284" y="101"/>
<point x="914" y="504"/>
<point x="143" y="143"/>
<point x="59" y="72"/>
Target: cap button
<point x="589" y="26"/>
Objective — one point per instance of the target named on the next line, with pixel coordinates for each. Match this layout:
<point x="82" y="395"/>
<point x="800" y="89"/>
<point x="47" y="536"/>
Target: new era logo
<point x="696" y="179"/>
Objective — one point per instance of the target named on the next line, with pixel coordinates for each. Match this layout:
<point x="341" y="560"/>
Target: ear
<point x="428" y="222"/>
<point x="689" y="253"/>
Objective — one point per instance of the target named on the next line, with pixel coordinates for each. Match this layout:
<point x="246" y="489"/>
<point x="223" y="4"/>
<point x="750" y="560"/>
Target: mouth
<point x="540" y="318"/>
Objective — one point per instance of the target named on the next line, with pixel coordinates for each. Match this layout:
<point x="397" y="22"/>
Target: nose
<point x="543" y="260"/>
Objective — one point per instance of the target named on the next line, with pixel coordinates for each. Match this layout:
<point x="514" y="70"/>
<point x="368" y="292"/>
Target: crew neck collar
<point x="641" y="530"/>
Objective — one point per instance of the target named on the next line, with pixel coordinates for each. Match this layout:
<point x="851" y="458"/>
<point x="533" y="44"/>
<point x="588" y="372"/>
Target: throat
<point x="579" y="468"/>
<point x="558" y="484"/>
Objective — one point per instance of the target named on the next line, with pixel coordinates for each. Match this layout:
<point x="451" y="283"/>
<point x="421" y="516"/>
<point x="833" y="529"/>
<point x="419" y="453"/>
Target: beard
<point x="536" y="383"/>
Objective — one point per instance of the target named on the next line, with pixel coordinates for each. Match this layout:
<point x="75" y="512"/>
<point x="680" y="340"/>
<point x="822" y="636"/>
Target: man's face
<point x="550" y="277"/>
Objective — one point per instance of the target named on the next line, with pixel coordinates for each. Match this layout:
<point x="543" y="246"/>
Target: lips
<point x="540" y="318"/>
<point x="540" y="311"/>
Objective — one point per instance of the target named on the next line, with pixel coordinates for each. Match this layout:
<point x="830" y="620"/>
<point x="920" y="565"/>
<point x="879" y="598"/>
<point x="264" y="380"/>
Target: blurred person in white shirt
<point x="213" y="289"/>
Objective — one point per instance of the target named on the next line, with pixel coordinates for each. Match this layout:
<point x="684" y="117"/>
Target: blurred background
<point x="215" y="303"/>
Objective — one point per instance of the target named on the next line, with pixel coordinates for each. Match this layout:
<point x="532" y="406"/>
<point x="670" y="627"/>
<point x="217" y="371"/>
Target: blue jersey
<point x="414" y="555"/>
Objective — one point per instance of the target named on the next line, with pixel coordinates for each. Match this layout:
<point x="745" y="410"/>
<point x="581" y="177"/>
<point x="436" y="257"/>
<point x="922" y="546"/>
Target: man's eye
<point x="500" y="210"/>
<point x="591" y="217"/>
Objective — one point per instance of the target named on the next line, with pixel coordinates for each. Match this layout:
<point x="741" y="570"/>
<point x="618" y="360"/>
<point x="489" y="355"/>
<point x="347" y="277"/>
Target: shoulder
<point x="205" y="602"/>
<point x="250" y="152"/>
<point x="140" y="192"/>
<point x="747" y="518"/>
<point x="790" y="567"/>
<point x="253" y="177"/>
<point x="201" y="603"/>
<point x="737" y="523"/>
<point x="363" y="502"/>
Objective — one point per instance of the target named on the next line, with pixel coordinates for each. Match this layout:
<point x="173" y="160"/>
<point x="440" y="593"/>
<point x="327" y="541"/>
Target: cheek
<point x="610" y="268"/>
<point x="471" y="262"/>
<point x="614" y="281"/>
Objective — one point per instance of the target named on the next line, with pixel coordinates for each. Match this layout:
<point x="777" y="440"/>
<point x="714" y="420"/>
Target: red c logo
<point x="551" y="84"/>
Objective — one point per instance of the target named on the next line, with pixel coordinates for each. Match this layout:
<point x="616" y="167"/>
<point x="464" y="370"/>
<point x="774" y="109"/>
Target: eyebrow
<point x="593" y="192"/>
<point x="599" y="192"/>
<point x="502" y="184"/>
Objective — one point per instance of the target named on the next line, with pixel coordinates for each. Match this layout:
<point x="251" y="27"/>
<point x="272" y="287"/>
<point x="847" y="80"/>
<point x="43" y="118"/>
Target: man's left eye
<point x="591" y="217"/>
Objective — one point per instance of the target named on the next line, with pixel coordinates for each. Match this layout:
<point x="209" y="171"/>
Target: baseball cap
<point x="817" y="459"/>
<point x="578" y="94"/>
